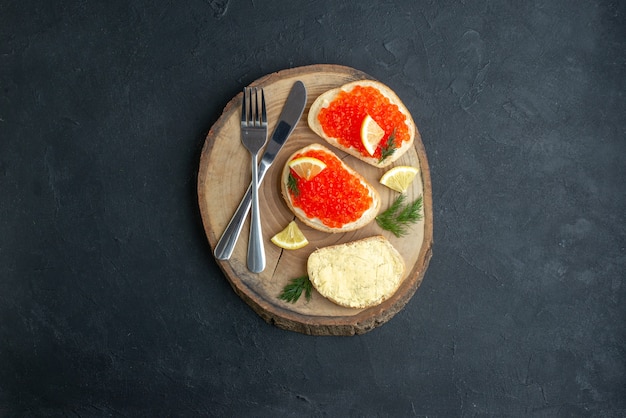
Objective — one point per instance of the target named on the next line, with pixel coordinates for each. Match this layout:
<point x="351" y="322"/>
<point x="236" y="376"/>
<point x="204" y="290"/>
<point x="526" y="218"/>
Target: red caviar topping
<point x="343" y="117"/>
<point x="334" y="196"/>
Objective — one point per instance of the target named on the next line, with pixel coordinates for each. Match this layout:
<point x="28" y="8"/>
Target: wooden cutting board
<point x="224" y="176"/>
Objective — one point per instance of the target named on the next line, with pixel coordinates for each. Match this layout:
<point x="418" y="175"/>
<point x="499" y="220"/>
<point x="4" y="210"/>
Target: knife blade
<point x="289" y="117"/>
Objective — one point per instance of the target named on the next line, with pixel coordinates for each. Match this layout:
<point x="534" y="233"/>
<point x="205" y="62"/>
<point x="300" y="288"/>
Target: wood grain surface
<point x="224" y="176"/>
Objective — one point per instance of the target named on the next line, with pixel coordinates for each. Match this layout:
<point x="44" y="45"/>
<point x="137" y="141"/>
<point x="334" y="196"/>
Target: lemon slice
<point x="399" y="178"/>
<point x="371" y="134"/>
<point x="290" y="238"/>
<point x="307" y="167"/>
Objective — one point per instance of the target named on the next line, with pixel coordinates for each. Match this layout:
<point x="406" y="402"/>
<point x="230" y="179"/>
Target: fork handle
<point x="256" y="250"/>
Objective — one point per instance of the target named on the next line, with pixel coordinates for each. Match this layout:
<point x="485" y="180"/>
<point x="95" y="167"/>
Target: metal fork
<point x="253" y="137"/>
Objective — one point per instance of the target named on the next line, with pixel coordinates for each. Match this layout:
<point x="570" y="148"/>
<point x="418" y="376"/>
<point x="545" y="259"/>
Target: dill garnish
<point x="397" y="218"/>
<point x="389" y="148"/>
<point x="292" y="184"/>
<point x="292" y="291"/>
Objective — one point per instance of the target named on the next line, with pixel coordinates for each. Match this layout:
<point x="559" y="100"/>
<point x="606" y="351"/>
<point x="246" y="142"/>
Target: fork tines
<point x="250" y="113"/>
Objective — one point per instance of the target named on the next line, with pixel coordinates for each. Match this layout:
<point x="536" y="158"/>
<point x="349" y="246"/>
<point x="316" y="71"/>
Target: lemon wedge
<point x="399" y="178"/>
<point x="290" y="238"/>
<point x="307" y="167"/>
<point x="371" y="134"/>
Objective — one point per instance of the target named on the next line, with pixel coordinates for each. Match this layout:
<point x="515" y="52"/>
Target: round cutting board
<point x="224" y="176"/>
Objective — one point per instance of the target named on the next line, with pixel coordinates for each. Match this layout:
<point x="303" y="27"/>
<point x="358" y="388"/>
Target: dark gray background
<point x="112" y="305"/>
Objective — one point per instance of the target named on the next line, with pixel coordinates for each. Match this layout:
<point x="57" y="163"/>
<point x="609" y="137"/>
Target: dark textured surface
<point x="111" y="303"/>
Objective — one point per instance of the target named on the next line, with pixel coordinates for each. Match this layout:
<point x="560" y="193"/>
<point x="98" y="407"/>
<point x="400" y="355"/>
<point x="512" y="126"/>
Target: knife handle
<point x="226" y="244"/>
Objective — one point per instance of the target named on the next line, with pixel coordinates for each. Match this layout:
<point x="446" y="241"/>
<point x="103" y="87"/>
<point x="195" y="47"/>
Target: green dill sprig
<point x="292" y="184"/>
<point x="292" y="291"/>
<point x="389" y="148"/>
<point x="397" y="218"/>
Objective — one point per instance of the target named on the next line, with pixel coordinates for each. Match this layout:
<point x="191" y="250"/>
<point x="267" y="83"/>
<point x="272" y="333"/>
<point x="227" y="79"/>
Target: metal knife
<point x="289" y="117"/>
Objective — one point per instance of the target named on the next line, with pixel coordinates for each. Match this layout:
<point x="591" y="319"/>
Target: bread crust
<point x="357" y="274"/>
<point x="315" y="223"/>
<point x="326" y="98"/>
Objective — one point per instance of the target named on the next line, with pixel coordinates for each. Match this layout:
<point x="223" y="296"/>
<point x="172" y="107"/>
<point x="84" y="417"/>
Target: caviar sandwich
<point x="365" y="119"/>
<point x="325" y="193"/>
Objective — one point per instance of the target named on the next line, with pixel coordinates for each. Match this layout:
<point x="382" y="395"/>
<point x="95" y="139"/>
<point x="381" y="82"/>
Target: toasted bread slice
<point x="325" y="100"/>
<point x="358" y="274"/>
<point x="340" y="197"/>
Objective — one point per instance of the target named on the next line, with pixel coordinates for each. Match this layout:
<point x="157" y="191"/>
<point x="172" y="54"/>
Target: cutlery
<point x="289" y="117"/>
<point x="253" y="137"/>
